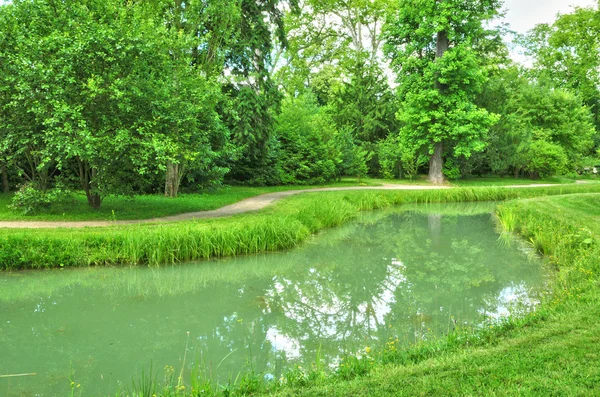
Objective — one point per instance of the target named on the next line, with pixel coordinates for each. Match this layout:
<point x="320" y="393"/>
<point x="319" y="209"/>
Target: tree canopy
<point x="112" y="97"/>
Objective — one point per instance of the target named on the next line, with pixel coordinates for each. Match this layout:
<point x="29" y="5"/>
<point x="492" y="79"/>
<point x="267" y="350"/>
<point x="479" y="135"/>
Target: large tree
<point x="435" y="47"/>
<point x="255" y="98"/>
<point x="335" y="50"/>
<point x="104" y="92"/>
<point x="193" y="136"/>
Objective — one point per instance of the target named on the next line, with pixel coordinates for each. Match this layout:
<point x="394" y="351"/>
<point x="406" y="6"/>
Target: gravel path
<point x="247" y="205"/>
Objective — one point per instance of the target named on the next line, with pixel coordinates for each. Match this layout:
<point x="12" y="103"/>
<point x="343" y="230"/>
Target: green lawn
<point x="498" y="181"/>
<point x="153" y="206"/>
<point x="150" y="206"/>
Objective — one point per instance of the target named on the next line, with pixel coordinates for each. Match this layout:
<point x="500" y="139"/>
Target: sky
<point x="523" y="15"/>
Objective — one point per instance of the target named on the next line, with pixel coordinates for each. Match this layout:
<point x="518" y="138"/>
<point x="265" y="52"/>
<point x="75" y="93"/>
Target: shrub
<point x="390" y="155"/>
<point x="30" y="198"/>
<point x="305" y="133"/>
<point x="546" y="159"/>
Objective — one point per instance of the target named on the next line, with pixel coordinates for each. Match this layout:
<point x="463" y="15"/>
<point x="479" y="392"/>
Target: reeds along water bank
<point x="281" y="226"/>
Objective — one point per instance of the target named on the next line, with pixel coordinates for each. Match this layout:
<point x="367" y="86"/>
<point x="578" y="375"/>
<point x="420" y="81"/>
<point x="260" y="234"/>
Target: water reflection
<point x="408" y="275"/>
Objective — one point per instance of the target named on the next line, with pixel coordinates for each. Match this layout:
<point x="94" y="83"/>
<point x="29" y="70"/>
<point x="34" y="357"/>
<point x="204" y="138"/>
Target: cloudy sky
<point x="523" y="15"/>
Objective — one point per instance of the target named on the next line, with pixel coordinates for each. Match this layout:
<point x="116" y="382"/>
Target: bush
<point x="411" y="162"/>
<point x="390" y="155"/>
<point x="306" y="137"/>
<point x="354" y="158"/>
<point x="30" y="198"/>
<point x="546" y="159"/>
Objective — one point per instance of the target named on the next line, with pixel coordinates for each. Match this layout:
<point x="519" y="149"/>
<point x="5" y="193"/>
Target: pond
<point x="405" y="275"/>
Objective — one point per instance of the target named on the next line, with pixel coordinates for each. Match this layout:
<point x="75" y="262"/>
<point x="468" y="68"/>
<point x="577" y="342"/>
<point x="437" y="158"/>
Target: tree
<point x="332" y="33"/>
<point x="22" y="94"/>
<point x="546" y="159"/>
<point x="365" y="103"/>
<point x="106" y="93"/>
<point x="534" y="118"/>
<point x="252" y="91"/>
<point x="566" y="54"/>
<point x="335" y="50"/>
<point x="194" y="136"/>
<point x="434" y="48"/>
<point x="306" y="136"/>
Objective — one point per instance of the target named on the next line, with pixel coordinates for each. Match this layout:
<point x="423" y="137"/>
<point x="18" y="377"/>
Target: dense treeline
<point x="115" y="97"/>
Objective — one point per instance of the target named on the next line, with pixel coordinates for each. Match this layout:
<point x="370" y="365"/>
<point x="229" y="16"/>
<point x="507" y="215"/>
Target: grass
<point x="154" y="206"/>
<point x="283" y="225"/>
<point x="554" y="351"/>
<point x="559" y="356"/>
<point x="500" y="181"/>
<point x="150" y="206"/>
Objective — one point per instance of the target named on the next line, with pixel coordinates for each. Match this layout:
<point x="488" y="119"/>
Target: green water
<point x="409" y="275"/>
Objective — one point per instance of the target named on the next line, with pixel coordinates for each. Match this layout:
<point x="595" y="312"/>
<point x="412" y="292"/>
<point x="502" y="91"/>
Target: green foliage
<point x="530" y="113"/>
<point x="254" y="95"/>
<point x="353" y="157"/>
<point x="566" y="54"/>
<point x="111" y="97"/>
<point x="411" y="162"/>
<point x="546" y="159"/>
<point x="365" y="104"/>
<point x="127" y="99"/>
<point x="389" y="157"/>
<point x="306" y="135"/>
<point x="437" y="88"/>
<point x="397" y="160"/>
<point x="323" y="46"/>
<point x="30" y="198"/>
<point x="339" y="59"/>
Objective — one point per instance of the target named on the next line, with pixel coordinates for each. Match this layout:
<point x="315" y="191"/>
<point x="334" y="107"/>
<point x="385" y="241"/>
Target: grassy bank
<point x="76" y="208"/>
<point x="500" y="181"/>
<point x="553" y="351"/>
<point x="283" y="225"/>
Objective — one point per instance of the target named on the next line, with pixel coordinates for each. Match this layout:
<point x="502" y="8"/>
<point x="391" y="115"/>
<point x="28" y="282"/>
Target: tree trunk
<point x="94" y="199"/>
<point x="442" y="44"/>
<point x="436" y="163"/>
<point x="434" y="221"/>
<point x="87" y="175"/>
<point x="5" y="185"/>
<point x="173" y="179"/>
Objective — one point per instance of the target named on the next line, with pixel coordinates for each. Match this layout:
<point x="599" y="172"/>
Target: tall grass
<point x="284" y="225"/>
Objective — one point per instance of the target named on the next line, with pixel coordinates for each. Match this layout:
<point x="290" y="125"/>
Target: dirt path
<point x="247" y="205"/>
